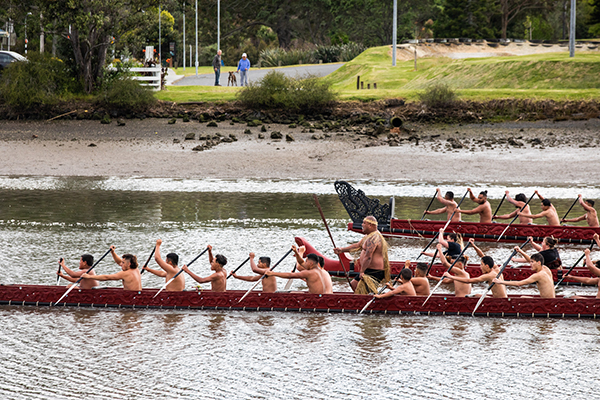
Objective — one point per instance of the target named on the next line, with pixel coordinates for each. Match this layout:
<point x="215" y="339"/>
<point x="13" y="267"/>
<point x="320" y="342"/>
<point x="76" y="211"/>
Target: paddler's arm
<point x="590" y="265"/>
<point x="114" y="255"/>
<point x="351" y="247"/>
<point x="477" y="249"/>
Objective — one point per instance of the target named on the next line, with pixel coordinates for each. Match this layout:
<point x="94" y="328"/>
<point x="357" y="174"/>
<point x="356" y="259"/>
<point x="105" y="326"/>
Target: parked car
<point x="7" y="57"/>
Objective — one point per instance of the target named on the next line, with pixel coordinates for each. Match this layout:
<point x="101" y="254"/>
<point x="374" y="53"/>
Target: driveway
<point x="257" y="73"/>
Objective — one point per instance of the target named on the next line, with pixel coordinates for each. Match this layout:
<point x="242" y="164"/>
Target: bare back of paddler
<point x="85" y="262"/>
<point x="311" y="274"/>
<point x="449" y="206"/>
<point x="371" y="261"/>
<point x="484" y="209"/>
<point x="591" y="216"/>
<point x="405" y="288"/>
<point x="420" y="281"/>
<point x="269" y="283"/>
<point x="489" y="271"/>
<point x="169" y="269"/>
<point x="548" y="211"/>
<point x="520" y="201"/>
<point x="129" y="274"/>
<point x="542" y="276"/>
<point x="461" y="289"/>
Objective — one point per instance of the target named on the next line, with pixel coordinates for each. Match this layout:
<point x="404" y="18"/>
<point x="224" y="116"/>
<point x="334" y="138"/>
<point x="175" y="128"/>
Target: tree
<point x="90" y="26"/>
<point x="466" y="18"/>
<point x="509" y="9"/>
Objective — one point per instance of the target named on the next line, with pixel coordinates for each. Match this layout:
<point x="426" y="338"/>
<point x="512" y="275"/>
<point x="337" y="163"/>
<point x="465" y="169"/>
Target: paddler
<point x="519" y="201"/>
<point x="547" y="250"/>
<point x="310" y="274"/>
<point x="449" y="206"/>
<point x="591" y="216"/>
<point x="420" y="281"/>
<point x="489" y="272"/>
<point x="405" y="288"/>
<point x="218" y="279"/>
<point x="85" y="263"/>
<point x="324" y="274"/>
<point x="548" y="211"/>
<point x="451" y="241"/>
<point x="129" y="273"/>
<point x="169" y="269"/>
<point x="373" y="265"/>
<point x="269" y="283"/>
<point x="484" y="209"/>
<point x="461" y="289"/>
<point x="593" y="267"/>
<point x="542" y="276"/>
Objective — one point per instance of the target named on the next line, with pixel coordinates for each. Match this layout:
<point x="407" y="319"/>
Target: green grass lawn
<point x="550" y="76"/>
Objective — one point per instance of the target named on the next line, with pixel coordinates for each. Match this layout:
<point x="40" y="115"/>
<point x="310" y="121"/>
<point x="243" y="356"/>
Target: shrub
<point x="127" y="95"/>
<point x="276" y="90"/>
<point x="438" y="96"/>
<point x="40" y="81"/>
<point x="272" y="57"/>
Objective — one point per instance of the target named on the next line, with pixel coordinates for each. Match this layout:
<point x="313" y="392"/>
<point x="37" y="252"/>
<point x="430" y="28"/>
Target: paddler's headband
<point x="370" y="221"/>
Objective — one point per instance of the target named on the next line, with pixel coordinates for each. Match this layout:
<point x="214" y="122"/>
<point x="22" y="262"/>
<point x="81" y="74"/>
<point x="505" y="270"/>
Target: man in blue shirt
<point x="243" y="67"/>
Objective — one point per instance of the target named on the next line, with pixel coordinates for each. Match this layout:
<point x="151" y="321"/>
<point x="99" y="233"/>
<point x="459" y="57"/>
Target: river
<point x="71" y="353"/>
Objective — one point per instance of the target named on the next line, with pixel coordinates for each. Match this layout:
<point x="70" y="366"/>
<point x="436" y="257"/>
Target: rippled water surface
<point x="122" y="354"/>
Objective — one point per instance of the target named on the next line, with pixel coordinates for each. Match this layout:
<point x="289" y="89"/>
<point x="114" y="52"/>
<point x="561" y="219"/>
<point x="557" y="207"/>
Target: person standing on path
<point x="216" y="63"/>
<point x="243" y="67"/>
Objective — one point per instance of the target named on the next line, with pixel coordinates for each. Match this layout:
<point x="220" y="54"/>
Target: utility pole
<point x="184" y="36"/>
<point x="159" y="40"/>
<point x="394" y="33"/>
<point x="572" y="30"/>
<point x="196" y="38"/>
<point x="218" y="24"/>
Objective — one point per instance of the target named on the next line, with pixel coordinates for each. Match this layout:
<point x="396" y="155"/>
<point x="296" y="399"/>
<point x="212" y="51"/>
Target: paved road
<point x="255" y="74"/>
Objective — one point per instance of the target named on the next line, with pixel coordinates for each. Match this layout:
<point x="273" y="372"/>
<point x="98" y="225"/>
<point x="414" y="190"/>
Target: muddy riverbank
<point x="544" y="152"/>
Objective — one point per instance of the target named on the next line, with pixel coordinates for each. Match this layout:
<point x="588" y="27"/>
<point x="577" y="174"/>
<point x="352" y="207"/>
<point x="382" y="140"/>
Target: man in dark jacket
<point x="216" y="63"/>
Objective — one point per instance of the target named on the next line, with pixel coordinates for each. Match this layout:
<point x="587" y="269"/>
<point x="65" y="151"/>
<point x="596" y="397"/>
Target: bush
<point x="276" y="90"/>
<point x="272" y="57"/>
<point x="438" y="96"/>
<point x="126" y="95"/>
<point x="40" y="81"/>
<point x="327" y="54"/>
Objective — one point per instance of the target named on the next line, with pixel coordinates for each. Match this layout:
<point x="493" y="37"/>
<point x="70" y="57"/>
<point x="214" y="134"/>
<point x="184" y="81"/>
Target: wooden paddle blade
<point x="431" y="293"/>
<point x="367" y="305"/>
<point x="479" y="302"/>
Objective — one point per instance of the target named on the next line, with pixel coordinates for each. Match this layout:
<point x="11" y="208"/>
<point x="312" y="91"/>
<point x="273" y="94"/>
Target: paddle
<point x="431" y="262"/>
<point x="381" y="290"/>
<point x="516" y="216"/>
<point x="497" y="276"/>
<point x="574" y="265"/>
<point x="430" y="202"/>
<point x="448" y="270"/>
<point x="263" y="277"/>
<point x="498" y="208"/>
<point x="148" y="260"/>
<point x="180" y="271"/>
<point x="331" y="237"/>
<point x="240" y="266"/>
<point x="58" y="276"/>
<point x="445" y="226"/>
<point x="457" y="207"/>
<point x="81" y="277"/>
<point x="288" y="284"/>
<point x="570" y="208"/>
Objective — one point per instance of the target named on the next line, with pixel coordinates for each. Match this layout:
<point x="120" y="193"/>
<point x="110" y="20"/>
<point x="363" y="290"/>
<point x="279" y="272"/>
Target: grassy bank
<point x="550" y="76"/>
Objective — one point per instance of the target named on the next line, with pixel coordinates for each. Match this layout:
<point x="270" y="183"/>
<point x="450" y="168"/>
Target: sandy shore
<point x="544" y="152"/>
